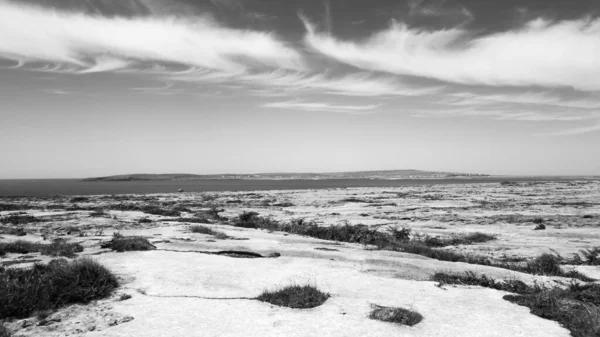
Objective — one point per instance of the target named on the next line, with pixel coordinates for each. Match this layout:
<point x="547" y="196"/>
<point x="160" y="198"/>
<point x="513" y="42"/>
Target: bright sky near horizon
<point x="102" y="87"/>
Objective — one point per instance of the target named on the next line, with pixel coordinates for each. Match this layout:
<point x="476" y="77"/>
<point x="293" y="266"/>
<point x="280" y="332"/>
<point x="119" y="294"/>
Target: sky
<point x="103" y="87"/>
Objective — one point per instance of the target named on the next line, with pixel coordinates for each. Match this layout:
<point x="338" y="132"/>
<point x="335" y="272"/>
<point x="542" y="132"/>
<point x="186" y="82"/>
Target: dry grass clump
<point x="577" y="307"/>
<point x="253" y="220"/>
<point x="209" y="231"/>
<point x="395" y="315"/>
<point x="57" y="248"/>
<point x="472" y="279"/>
<point x="4" y="332"/>
<point x="295" y="296"/>
<point x="549" y="264"/>
<point x="455" y="240"/>
<point x="589" y="257"/>
<point x="44" y="287"/>
<point x="122" y="243"/>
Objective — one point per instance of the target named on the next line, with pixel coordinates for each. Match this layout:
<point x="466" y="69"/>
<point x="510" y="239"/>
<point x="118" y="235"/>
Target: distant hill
<point x="389" y="174"/>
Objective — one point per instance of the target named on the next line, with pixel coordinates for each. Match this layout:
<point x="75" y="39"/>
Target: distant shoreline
<point x="53" y="187"/>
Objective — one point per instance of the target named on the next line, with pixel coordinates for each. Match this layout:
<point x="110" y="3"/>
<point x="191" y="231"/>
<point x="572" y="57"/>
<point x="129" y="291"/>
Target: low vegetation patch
<point x="455" y="240"/>
<point x="190" y="220"/>
<point x="577" y="307"/>
<point x="149" y="209"/>
<point x="253" y="220"/>
<point x="400" y="240"/>
<point x="209" y="231"/>
<point x="45" y="287"/>
<point x="122" y="243"/>
<point x="14" y="207"/>
<point x="472" y="279"/>
<point x="79" y="199"/>
<point x="17" y="231"/>
<point x="295" y="296"/>
<point x="395" y="315"/>
<point x="19" y="219"/>
<point x="56" y="248"/>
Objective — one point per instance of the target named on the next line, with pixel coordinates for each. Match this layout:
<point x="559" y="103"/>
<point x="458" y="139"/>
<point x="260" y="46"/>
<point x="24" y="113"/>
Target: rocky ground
<point x="183" y="288"/>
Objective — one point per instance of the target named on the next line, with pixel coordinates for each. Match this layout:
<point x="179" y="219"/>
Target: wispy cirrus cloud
<point x="530" y="98"/>
<point x="85" y="43"/>
<point x="173" y="48"/>
<point x="323" y="106"/>
<point x="509" y="113"/>
<point x="353" y="84"/>
<point x="541" y="53"/>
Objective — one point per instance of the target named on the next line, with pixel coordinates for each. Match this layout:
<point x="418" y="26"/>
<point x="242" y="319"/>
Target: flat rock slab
<point x="185" y="294"/>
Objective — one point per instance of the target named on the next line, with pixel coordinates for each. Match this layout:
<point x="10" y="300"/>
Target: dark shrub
<point x="402" y="234"/>
<point x="253" y="220"/>
<point x="540" y="227"/>
<point x="43" y="287"/>
<point x="144" y="220"/>
<point x="395" y="315"/>
<point x="121" y="243"/>
<point x="588" y="216"/>
<point x="295" y="296"/>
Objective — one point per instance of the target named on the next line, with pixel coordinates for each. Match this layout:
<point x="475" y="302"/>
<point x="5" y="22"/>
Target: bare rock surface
<point x="184" y="288"/>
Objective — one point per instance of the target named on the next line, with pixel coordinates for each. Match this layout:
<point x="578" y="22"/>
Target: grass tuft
<point x="122" y="243"/>
<point x="43" y="287"/>
<point x="209" y="231"/>
<point x="395" y="315"/>
<point x="590" y="257"/>
<point x="295" y="296"/>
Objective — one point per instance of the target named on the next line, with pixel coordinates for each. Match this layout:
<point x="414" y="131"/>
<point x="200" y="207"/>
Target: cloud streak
<point x="542" y="53"/>
<point x="353" y="84"/>
<point x="325" y="107"/>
